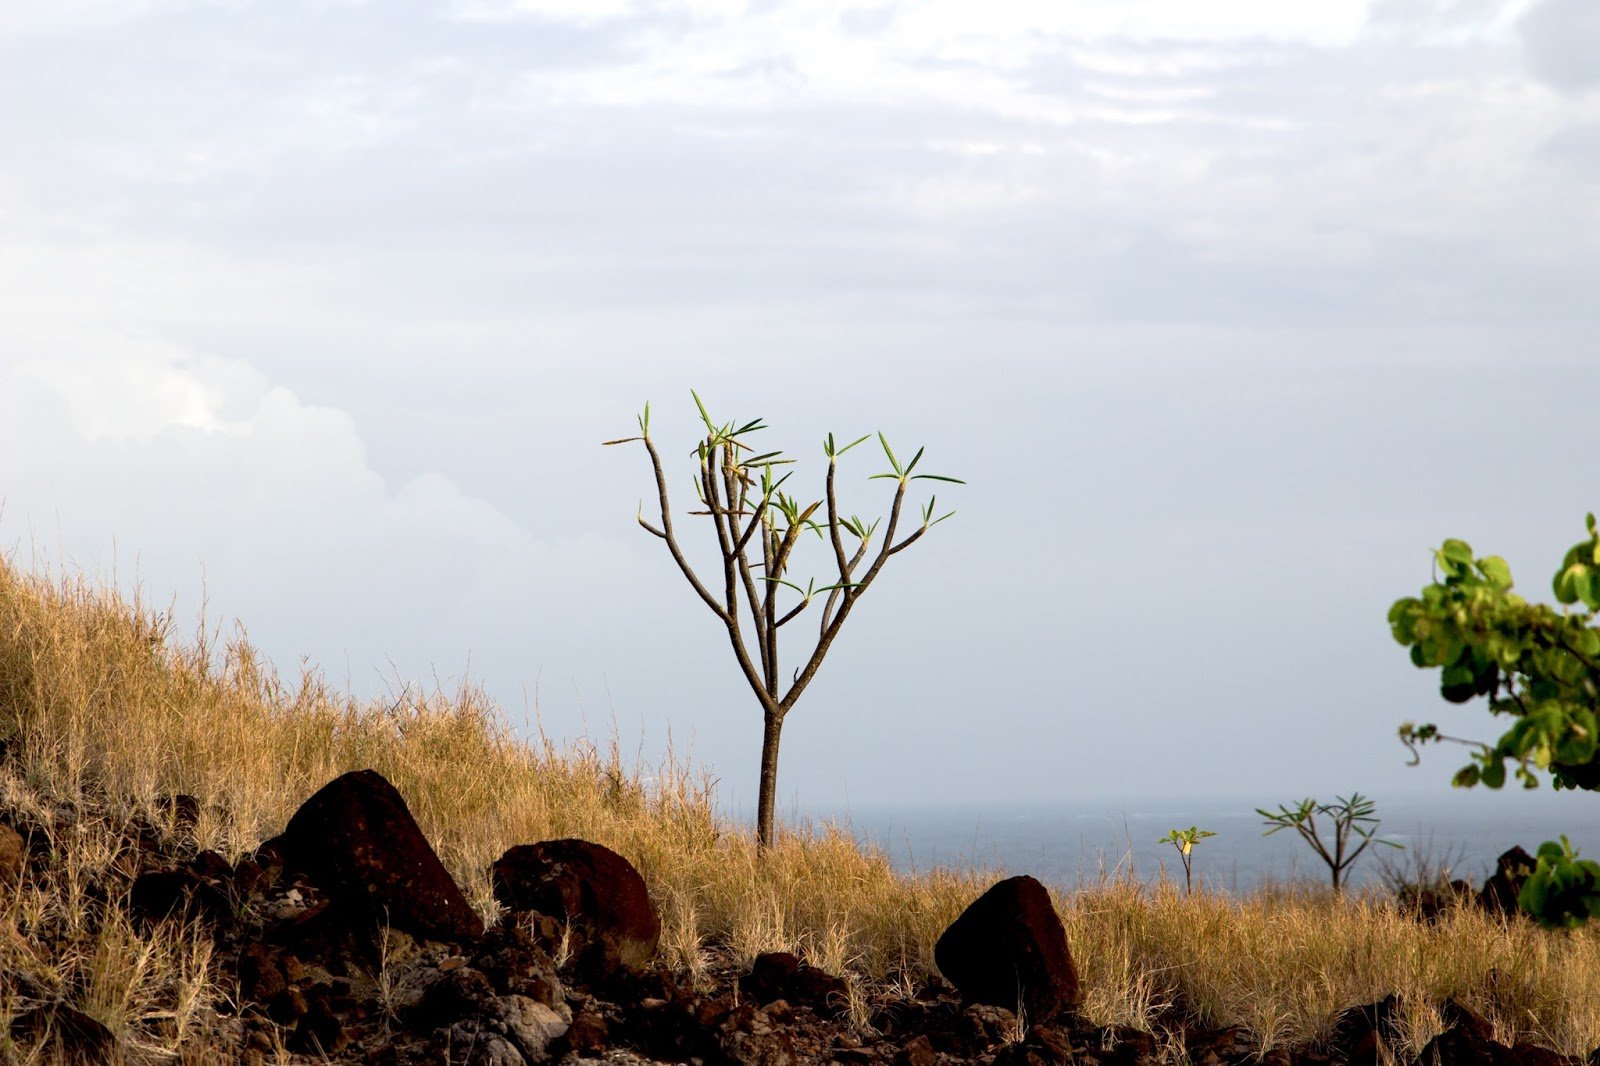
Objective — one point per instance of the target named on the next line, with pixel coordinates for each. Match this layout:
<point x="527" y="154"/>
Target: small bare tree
<point x="757" y="527"/>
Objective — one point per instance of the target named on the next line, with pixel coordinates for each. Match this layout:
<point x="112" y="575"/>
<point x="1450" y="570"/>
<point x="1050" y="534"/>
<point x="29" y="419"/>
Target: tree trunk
<point x="768" y="796"/>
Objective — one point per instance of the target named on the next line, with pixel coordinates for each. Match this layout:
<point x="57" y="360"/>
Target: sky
<point x="317" y="313"/>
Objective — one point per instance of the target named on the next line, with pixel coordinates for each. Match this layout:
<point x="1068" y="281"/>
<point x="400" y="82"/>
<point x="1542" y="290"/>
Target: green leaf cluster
<point x="1563" y="891"/>
<point x="1534" y="663"/>
<point x="1184" y="839"/>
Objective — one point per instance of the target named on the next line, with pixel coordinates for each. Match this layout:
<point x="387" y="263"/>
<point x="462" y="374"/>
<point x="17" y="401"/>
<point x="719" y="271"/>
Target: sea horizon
<point x="1073" y="843"/>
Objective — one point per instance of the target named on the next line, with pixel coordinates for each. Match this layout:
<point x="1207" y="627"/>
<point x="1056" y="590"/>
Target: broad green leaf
<point x="1496" y="570"/>
<point x="1588" y="588"/>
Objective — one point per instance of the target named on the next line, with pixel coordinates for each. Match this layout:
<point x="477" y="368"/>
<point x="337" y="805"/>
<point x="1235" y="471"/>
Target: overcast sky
<point x="1226" y="312"/>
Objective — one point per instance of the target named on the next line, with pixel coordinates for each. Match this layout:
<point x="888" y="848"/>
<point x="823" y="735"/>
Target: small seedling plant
<point x="1184" y="840"/>
<point x="1352" y="819"/>
<point x="757" y="526"/>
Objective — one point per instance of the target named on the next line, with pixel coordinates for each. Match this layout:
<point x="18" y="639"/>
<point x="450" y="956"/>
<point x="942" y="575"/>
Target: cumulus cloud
<point x="211" y="472"/>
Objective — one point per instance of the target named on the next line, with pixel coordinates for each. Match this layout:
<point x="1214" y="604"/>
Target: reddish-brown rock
<point x="594" y="890"/>
<point x="776" y="975"/>
<point x="1009" y="948"/>
<point x="13" y="857"/>
<point x="356" y="839"/>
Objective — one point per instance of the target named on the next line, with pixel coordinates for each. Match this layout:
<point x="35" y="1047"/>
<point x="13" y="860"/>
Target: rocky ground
<point x="347" y="942"/>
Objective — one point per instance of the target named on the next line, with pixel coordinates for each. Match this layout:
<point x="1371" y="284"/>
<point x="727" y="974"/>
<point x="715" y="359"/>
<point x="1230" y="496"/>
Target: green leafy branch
<point x="1536" y="664"/>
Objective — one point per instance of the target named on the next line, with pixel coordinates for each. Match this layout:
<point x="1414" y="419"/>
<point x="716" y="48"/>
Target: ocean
<point x="1068" y="844"/>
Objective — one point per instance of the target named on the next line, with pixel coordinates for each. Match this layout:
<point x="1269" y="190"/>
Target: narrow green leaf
<point x="938" y="477"/>
<point x="704" y="417"/>
<point x="890" y="453"/>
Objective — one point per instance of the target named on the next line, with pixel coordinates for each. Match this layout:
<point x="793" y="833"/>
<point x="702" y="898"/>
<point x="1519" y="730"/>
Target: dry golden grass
<point x="103" y="708"/>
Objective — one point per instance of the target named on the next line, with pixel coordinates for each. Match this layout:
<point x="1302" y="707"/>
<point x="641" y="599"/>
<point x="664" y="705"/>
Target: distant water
<point x="1067" y="844"/>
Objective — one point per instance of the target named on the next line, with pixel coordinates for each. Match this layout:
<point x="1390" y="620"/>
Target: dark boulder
<point x="1009" y="948"/>
<point x="161" y="894"/>
<point x="356" y="839"/>
<point x="776" y="975"/>
<point x="1499" y="893"/>
<point x="1363" y="1032"/>
<point x="594" y="890"/>
<point x="1463" y="1047"/>
<point x="1468" y="1039"/>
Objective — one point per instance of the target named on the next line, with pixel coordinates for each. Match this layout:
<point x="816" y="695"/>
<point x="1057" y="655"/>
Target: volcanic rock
<point x="356" y="839"/>
<point x="1468" y="1039"/>
<point x="13" y="856"/>
<point x="594" y="890"/>
<point x="776" y="975"/>
<point x="1364" y="1030"/>
<point x="161" y="894"/>
<point x="1009" y="948"/>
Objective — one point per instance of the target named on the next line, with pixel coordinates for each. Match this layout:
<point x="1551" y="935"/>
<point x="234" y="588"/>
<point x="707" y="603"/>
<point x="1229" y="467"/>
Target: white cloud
<point x="185" y="468"/>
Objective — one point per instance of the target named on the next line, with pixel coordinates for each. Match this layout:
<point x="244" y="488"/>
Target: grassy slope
<point x="99" y="702"/>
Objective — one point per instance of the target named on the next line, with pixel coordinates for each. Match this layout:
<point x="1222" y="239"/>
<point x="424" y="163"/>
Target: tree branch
<point x="833" y="523"/>
<point x="851" y="594"/>
<point x="666" y="534"/>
